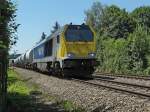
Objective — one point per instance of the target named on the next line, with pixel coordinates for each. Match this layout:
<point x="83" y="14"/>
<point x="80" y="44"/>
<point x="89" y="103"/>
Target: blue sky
<point x="37" y="16"/>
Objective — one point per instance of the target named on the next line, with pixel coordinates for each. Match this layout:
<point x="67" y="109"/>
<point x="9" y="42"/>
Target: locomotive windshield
<point x="79" y="33"/>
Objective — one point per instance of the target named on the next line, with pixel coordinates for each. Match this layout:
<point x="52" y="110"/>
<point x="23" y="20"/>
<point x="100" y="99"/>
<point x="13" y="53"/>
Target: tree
<point x="93" y="15"/>
<point x="128" y="49"/>
<point x="7" y="38"/>
<point x="110" y="21"/>
<point x="116" y="22"/>
<point x="43" y="36"/>
<point x="138" y="49"/>
<point x="55" y="27"/>
<point x="142" y="16"/>
<point x="8" y="26"/>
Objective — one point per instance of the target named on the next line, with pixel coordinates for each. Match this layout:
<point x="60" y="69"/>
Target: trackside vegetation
<point x="123" y="38"/>
<point x="18" y="92"/>
<point x="22" y="96"/>
<point x="8" y="28"/>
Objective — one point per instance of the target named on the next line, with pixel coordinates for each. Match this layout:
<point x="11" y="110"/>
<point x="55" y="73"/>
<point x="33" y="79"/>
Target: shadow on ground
<point x="31" y="103"/>
<point x="103" y="108"/>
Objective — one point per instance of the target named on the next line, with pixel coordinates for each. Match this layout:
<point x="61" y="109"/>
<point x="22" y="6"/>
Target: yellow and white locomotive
<point x="68" y="51"/>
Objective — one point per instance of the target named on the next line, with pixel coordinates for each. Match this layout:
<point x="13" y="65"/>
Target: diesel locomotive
<point x="69" y="51"/>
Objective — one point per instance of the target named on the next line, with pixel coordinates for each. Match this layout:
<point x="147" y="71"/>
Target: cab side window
<point x="49" y="48"/>
<point x="58" y="39"/>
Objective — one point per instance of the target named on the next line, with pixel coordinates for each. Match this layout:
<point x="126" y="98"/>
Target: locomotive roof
<point x="53" y="35"/>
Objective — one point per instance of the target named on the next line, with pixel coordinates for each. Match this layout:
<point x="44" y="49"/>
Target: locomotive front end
<point x="79" y="49"/>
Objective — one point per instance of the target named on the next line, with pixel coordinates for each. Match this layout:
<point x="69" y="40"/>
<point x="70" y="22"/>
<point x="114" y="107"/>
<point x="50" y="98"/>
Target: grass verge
<point x="18" y="92"/>
<point x="68" y="106"/>
<point x="20" y="97"/>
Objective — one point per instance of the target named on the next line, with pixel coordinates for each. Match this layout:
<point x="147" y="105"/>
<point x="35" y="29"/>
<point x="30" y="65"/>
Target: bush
<point x="138" y="50"/>
<point x="125" y="55"/>
<point x="112" y="55"/>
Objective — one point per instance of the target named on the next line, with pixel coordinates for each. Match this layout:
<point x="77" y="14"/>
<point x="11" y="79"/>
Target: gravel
<point x="91" y="98"/>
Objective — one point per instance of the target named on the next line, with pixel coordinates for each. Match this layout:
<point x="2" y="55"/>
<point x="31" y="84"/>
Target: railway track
<point x="122" y="76"/>
<point x="138" y="90"/>
<point x="124" y="83"/>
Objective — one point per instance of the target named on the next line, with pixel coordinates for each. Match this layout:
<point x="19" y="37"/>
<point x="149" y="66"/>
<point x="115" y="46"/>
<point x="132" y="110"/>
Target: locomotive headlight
<point x="92" y="54"/>
<point x="70" y="55"/>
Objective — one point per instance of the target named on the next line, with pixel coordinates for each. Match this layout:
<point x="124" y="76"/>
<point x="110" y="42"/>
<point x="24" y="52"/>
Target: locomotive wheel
<point x="49" y="69"/>
<point x="35" y="66"/>
<point x="65" y="73"/>
<point x="57" y="69"/>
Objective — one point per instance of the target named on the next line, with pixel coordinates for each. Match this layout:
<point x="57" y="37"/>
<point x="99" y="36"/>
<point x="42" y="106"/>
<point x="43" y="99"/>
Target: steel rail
<point x="124" y="83"/>
<point x="123" y="76"/>
<point x="113" y="88"/>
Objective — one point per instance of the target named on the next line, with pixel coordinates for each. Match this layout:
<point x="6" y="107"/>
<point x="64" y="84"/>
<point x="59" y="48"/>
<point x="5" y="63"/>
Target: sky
<point x="37" y="16"/>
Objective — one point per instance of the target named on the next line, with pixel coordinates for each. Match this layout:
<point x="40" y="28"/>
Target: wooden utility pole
<point x="3" y="63"/>
<point x="3" y="80"/>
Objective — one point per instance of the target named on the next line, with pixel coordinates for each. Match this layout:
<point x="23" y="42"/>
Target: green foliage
<point x="139" y="48"/>
<point x="142" y="16"/>
<point x="15" y="85"/>
<point x="113" y="55"/>
<point x="18" y="92"/>
<point x="43" y="36"/>
<point x="55" y="27"/>
<point x="70" y="107"/>
<point x="116" y="23"/>
<point x="110" y="21"/>
<point x="2" y="46"/>
<point x="8" y="26"/>
<point x="93" y="15"/>
<point x="130" y="55"/>
<point x="123" y="38"/>
<point x="27" y="99"/>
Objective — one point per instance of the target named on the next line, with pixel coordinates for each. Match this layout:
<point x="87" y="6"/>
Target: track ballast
<point x="128" y="85"/>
